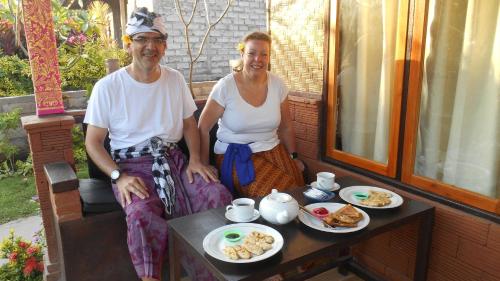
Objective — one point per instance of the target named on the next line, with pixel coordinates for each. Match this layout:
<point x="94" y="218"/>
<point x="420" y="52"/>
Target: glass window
<point x="365" y="79"/>
<point x="458" y="139"/>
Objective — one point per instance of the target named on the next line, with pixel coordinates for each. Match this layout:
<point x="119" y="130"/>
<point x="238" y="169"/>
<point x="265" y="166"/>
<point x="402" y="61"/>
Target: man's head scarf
<point x="142" y="20"/>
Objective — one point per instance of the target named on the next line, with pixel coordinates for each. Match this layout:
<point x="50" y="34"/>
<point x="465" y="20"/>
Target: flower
<point x="76" y="38"/>
<point x="126" y="39"/>
<point x="240" y="47"/>
<point x="25" y="258"/>
<point x="31" y="264"/>
<point x="13" y="257"/>
<point x="32" y="250"/>
<point x="22" y="244"/>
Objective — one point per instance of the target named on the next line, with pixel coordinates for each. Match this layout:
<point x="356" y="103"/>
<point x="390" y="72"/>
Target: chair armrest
<point x="64" y="194"/>
<point x="61" y="177"/>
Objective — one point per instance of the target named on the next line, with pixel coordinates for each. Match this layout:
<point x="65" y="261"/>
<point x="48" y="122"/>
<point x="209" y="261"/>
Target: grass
<point x="16" y="194"/>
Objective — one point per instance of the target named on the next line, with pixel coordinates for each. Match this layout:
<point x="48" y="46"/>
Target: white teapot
<point x="278" y="207"/>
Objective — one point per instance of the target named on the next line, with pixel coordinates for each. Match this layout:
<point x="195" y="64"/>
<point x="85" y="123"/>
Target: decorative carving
<point x="42" y="50"/>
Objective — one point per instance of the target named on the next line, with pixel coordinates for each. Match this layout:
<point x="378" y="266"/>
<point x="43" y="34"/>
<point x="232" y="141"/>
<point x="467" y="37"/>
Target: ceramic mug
<point x="325" y="180"/>
<point x="243" y="208"/>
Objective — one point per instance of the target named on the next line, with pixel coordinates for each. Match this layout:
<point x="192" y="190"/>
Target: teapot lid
<point x="279" y="197"/>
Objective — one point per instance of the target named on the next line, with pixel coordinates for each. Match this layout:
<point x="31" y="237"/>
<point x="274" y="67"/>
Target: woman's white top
<point x="244" y="123"/>
<point x="134" y="112"/>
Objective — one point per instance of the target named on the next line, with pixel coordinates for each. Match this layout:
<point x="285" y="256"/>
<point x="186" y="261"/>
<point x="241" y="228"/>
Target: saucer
<point x="335" y="186"/>
<point x="230" y="216"/>
<point x="318" y="195"/>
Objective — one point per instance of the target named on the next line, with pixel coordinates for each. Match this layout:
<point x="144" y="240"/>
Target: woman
<point x="255" y="148"/>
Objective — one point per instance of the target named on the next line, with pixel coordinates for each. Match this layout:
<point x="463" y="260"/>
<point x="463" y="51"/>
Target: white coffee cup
<point x="325" y="180"/>
<point x="243" y="208"/>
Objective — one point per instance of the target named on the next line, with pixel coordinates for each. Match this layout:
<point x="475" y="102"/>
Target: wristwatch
<point x="294" y="155"/>
<point x="115" y="175"/>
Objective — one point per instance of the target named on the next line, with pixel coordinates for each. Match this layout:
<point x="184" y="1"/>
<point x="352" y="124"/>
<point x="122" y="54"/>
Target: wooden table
<point x="302" y="243"/>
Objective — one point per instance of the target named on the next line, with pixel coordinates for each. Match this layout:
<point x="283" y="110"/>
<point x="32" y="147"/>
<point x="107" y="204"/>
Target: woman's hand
<point x="127" y="184"/>
<point x="207" y="172"/>
<point x="299" y="164"/>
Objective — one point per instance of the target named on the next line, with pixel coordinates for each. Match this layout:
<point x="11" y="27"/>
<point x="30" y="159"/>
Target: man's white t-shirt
<point x="244" y="123"/>
<point x="134" y="112"/>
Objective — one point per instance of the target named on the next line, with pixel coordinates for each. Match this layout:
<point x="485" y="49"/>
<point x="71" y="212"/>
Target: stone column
<point x="50" y="141"/>
<point x="42" y="49"/>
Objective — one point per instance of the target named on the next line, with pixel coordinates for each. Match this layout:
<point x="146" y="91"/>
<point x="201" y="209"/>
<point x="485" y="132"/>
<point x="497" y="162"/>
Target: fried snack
<point x="269" y="239"/>
<point x="253" y="248"/>
<point x="230" y="252"/>
<point x="377" y="199"/>
<point x="254" y="244"/>
<point x="346" y="216"/>
<point x="264" y="245"/>
<point x="242" y="252"/>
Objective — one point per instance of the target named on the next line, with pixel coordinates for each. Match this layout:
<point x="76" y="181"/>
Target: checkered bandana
<point x="164" y="183"/>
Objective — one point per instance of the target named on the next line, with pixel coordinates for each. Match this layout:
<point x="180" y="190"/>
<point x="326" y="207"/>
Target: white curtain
<point x="459" y="130"/>
<point x="366" y="76"/>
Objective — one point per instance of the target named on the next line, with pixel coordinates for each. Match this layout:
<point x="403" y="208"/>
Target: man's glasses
<point x="145" y="40"/>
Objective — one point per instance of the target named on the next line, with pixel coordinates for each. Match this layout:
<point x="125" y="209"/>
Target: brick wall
<point x="464" y="247"/>
<point x="243" y="16"/>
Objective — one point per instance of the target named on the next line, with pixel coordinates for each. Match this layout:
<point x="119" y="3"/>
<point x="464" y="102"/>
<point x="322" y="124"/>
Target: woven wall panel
<point x="297" y="31"/>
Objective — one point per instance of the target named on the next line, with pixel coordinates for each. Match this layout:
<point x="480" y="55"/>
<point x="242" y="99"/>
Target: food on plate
<point x="320" y="212"/>
<point x="377" y="199"/>
<point x="254" y="244"/>
<point x="253" y="248"/>
<point x="242" y="252"/>
<point x="230" y="252"/>
<point x="264" y="245"/>
<point x="346" y="216"/>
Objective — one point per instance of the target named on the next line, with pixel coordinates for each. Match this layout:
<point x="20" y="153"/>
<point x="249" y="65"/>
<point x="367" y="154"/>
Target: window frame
<point x="390" y="168"/>
<point x="408" y="119"/>
<point x="414" y="89"/>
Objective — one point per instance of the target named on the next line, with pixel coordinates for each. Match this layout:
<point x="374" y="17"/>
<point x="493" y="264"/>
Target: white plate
<point x="230" y="216"/>
<point x="331" y="207"/>
<point x="335" y="187"/>
<point x="347" y="194"/>
<point x="214" y="242"/>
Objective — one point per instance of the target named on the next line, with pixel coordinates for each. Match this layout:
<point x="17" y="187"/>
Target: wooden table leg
<point x="174" y="254"/>
<point x="424" y="246"/>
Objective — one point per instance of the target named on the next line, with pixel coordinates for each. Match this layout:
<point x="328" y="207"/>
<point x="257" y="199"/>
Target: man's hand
<point x="127" y="184"/>
<point x="299" y="164"/>
<point x="208" y="173"/>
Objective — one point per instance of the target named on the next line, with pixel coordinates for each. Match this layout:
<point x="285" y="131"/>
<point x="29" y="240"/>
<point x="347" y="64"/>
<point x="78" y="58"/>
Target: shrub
<point x="82" y="65"/>
<point x="15" y="77"/>
<point x="8" y="122"/>
<point x="79" y="152"/>
<point x="25" y="259"/>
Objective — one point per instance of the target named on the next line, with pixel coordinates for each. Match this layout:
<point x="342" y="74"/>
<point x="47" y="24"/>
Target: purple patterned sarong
<point x="146" y="222"/>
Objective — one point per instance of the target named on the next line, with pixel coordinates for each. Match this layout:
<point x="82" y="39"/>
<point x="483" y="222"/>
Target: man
<point x="147" y="109"/>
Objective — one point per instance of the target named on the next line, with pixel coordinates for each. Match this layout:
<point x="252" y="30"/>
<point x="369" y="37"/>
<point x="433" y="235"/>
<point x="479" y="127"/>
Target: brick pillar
<point x="50" y="141"/>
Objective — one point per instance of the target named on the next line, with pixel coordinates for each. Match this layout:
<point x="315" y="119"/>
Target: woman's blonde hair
<point x="256" y="35"/>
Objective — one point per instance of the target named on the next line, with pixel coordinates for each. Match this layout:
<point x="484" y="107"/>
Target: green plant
<point x="89" y="65"/>
<point x="25" y="259"/>
<point x="8" y="122"/>
<point x="24" y="168"/>
<point x="79" y="152"/>
<point x="15" y="77"/>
